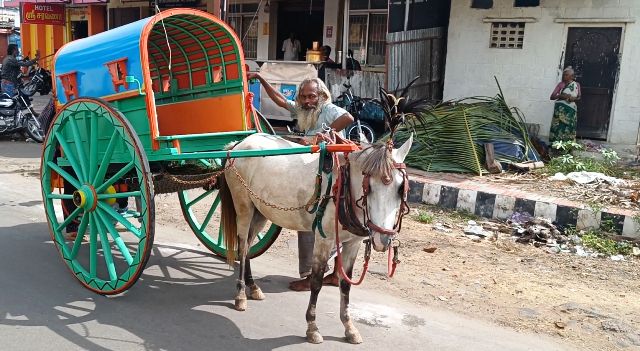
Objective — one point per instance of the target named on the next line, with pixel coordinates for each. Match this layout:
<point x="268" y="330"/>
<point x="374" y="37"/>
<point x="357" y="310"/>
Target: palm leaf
<point x="457" y="130"/>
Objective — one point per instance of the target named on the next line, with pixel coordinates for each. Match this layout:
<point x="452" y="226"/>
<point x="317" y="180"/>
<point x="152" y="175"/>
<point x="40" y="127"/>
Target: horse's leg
<point x="257" y="224"/>
<point x="244" y="223"/>
<point x="321" y="252"/>
<point x="349" y="255"/>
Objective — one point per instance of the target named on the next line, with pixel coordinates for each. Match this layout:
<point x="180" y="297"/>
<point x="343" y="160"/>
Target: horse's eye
<point x="401" y="189"/>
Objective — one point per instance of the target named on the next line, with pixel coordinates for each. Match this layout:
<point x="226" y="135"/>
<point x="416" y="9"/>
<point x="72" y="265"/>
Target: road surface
<point x="184" y="300"/>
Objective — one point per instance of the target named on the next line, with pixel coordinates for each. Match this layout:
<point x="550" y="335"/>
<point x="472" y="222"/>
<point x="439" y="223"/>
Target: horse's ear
<point x="400" y="154"/>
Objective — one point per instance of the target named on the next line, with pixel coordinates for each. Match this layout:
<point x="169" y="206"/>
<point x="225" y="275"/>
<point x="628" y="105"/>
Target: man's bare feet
<point x="305" y="284"/>
<point x="331" y="279"/>
<point x="73" y="236"/>
<point x="301" y="285"/>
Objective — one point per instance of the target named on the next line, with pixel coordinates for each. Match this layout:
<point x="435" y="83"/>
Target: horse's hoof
<point x="241" y="304"/>
<point x="256" y="293"/>
<point x="314" y="337"/>
<point x="353" y="336"/>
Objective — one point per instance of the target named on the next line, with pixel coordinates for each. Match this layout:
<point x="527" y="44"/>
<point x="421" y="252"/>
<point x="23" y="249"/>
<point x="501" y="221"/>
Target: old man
<point x="313" y="111"/>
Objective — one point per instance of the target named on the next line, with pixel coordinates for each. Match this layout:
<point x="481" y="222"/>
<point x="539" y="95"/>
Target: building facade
<point x="82" y="18"/>
<point x="526" y="45"/>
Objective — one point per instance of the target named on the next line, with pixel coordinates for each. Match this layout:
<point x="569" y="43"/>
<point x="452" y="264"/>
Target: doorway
<point x="593" y="54"/>
<point x="303" y="18"/>
<point x="79" y="30"/>
<point x="121" y="16"/>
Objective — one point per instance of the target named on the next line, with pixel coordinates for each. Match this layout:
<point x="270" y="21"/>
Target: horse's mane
<point x="379" y="159"/>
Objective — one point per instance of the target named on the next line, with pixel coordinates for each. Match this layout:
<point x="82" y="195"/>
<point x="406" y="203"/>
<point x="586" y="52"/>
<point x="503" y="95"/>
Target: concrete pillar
<point x="213" y="7"/>
<point x="97" y="19"/>
<point x="263" y="39"/>
<point x="331" y="9"/>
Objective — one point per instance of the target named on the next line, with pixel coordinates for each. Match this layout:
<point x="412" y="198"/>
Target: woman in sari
<point x="565" y="112"/>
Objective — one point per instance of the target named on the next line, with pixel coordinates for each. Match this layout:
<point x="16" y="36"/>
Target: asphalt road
<point x="184" y="300"/>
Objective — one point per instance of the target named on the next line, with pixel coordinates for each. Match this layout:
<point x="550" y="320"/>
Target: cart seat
<point x="208" y="115"/>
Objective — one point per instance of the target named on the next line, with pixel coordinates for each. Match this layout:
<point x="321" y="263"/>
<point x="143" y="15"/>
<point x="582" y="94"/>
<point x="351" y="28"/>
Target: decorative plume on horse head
<point x="398" y="109"/>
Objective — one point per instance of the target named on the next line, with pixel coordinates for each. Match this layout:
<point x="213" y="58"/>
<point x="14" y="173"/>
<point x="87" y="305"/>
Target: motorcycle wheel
<point x="352" y="132"/>
<point x="34" y="129"/>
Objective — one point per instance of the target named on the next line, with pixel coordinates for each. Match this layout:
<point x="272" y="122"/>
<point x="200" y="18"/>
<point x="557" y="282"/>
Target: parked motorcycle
<point x="40" y="81"/>
<point x="362" y="109"/>
<point x="18" y="116"/>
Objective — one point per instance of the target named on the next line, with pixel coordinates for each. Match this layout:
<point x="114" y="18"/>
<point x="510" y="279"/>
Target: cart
<point x="132" y="104"/>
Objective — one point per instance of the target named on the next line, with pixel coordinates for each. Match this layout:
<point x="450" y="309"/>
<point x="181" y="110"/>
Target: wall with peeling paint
<point x="529" y="75"/>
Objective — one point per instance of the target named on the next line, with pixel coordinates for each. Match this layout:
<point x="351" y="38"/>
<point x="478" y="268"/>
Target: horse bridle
<point x="402" y="211"/>
<point x="347" y="204"/>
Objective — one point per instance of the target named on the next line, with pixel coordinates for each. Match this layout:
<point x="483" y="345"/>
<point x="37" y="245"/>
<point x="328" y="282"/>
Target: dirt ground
<point x="598" y="193"/>
<point x="592" y="302"/>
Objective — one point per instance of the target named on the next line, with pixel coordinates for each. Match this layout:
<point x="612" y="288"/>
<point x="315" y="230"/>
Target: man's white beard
<point x="307" y="119"/>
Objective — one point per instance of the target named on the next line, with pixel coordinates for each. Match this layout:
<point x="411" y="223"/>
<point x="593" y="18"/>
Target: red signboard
<point x="42" y="13"/>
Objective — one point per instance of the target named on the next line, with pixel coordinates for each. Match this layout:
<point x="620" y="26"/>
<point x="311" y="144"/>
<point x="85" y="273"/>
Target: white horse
<point x="288" y="181"/>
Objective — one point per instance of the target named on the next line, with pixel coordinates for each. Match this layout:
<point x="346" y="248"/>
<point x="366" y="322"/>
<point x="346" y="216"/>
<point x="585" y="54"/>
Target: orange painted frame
<point x="144" y="52"/>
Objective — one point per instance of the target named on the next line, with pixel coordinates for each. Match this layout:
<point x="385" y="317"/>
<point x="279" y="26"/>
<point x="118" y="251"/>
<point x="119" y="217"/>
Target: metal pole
<point x="345" y="34"/>
<point x="223" y="10"/>
<point x="406" y="15"/>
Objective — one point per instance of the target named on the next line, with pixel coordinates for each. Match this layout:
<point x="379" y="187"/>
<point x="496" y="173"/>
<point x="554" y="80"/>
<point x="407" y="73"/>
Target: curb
<point x="499" y="203"/>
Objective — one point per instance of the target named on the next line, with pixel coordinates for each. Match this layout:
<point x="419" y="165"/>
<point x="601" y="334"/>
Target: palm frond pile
<point x="456" y="132"/>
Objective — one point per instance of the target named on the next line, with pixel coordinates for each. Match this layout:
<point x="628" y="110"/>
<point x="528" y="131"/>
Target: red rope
<point x="391" y="264"/>
<point x="251" y="111"/>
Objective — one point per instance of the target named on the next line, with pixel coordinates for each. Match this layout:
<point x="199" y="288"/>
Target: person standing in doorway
<point x="291" y="48"/>
<point x="326" y="52"/>
<point x="565" y="112"/>
<point x="352" y="63"/>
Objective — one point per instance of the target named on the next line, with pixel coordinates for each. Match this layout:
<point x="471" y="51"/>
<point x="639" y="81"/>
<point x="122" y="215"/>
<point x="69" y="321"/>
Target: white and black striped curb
<point x="492" y="202"/>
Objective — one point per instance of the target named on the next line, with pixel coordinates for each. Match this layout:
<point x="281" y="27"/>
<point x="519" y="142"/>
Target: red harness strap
<point x="337" y="221"/>
<point x="251" y="111"/>
<point x="392" y="261"/>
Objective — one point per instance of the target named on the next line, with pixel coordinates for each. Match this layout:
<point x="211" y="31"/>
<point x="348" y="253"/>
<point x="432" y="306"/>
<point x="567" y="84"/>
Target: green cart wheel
<point x="200" y="210"/>
<point x="99" y="148"/>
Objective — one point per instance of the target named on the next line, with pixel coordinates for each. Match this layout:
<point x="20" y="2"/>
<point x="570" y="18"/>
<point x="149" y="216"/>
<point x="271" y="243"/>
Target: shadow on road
<point x="172" y="307"/>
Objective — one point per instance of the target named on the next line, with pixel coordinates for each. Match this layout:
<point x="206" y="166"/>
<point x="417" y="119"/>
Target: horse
<point x="376" y="176"/>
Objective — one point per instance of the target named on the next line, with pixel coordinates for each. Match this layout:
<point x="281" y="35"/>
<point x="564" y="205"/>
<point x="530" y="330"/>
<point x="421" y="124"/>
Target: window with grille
<point x="368" y="31"/>
<point x="242" y="18"/>
<point x="507" y="35"/>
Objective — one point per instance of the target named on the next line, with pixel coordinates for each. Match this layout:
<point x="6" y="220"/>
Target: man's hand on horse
<point x="310" y="140"/>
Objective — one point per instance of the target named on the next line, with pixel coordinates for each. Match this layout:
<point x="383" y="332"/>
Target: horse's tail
<point x="228" y="220"/>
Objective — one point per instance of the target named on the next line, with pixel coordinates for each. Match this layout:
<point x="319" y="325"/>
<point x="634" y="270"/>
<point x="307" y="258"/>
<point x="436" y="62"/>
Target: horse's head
<point x="379" y="176"/>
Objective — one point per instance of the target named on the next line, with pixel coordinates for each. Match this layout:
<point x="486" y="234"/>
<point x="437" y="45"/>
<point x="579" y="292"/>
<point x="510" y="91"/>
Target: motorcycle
<point x="18" y="116"/>
<point x="362" y="110"/>
<point x="40" y="81"/>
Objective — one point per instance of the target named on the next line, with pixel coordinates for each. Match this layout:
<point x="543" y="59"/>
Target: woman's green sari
<point x="565" y="116"/>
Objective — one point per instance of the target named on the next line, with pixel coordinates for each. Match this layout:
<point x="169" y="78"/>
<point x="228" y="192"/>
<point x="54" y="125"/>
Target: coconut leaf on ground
<point x="456" y="131"/>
